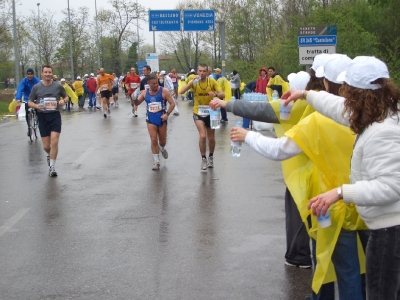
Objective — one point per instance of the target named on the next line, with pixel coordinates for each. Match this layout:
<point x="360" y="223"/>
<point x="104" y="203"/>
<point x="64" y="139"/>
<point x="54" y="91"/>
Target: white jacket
<point x="375" y="164"/>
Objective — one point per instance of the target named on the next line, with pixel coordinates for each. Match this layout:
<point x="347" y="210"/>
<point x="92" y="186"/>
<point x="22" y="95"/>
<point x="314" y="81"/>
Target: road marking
<point x="11" y="221"/>
<point x="83" y="156"/>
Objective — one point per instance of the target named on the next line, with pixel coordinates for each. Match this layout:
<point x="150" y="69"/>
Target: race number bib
<point x="204" y="110"/>
<point x="155" y="107"/>
<point x="104" y="87"/>
<point x="173" y="79"/>
<point x="50" y="103"/>
<point x="134" y="85"/>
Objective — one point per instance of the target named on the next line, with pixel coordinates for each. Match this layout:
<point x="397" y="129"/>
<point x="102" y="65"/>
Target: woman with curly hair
<point x="369" y="105"/>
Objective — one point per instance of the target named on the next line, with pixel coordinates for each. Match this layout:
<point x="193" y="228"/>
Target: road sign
<point x="318" y="40"/>
<point x="318" y="30"/>
<point x="307" y="54"/>
<point x="152" y="61"/>
<point x="164" y="20"/>
<point x="198" y="20"/>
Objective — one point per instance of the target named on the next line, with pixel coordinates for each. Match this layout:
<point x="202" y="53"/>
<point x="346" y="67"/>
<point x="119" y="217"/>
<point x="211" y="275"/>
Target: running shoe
<point x="98" y="107"/>
<point x="176" y="114"/>
<point x="204" y="164"/>
<point x="210" y="162"/>
<point x="135" y="114"/>
<point x="105" y="116"/>
<point x="133" y="110"/>
<point x="156" y="166"/>
<point x="52" y="172"/>
<point x="298" y="266"/>
<point x="164" y="153"/>
<point x="48" y="160"/>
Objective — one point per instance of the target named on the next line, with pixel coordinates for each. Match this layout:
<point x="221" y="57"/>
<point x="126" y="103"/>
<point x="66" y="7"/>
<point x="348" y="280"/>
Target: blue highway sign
<point x="198" y="20"/>
<point x="317" y="40"/>
<point x="164" y="20"/>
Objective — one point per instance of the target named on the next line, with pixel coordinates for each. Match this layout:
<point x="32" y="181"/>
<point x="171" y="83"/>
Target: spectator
<point x="250" y="87"/>
<point x="236" y="84"/>
<point x="276" y="83"/>
<point x="91" y="87"/>
<point x="78" y="87"/>
<point x="262" y="81"/>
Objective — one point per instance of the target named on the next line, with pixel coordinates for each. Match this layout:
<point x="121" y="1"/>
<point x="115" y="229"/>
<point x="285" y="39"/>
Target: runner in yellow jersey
<point x="205" y="89"/>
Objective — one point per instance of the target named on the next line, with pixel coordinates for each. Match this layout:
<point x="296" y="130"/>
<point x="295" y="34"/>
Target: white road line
<point x="11" y="221"/>
<point x="83" y="156"/>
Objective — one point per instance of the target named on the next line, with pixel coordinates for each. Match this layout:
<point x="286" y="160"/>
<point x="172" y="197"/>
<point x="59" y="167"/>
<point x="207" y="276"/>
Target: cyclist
<point x="24" y="89"/>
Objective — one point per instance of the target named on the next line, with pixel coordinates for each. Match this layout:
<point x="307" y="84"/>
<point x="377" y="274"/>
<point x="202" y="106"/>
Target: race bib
<point x="203" y="111"/>
<point x="134" y="85"/>
<point x="173" y="80"/>
<point x="50" y="103"/>
<point x="155" y="107"/>
<point x="104" y="87"/>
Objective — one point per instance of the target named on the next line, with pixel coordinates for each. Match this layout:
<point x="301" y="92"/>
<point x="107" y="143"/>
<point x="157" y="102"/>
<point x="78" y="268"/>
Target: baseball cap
<point x="192" y="71"/>
<point x="182" y="77"/>
<point x="163" y="72"/>
<point x="218" y="70"/>
<point x="86" y="75"/>
<point x="79" y="77"/>
<point x="333" y="67"/>
<point x="30" y="71"/>
<point x="319" y="61"/>
<point x="298" y="80"/>
<point x="62" y="79"/>
<point x="91" y="75"/>
<point x="363" y="70"/>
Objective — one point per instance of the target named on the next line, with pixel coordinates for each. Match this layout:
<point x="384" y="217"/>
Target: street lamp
<point x="70" y="44"/>
<point x="97" y="37"/>
<point x="39" y="52"/>
<point x="137" y="29"/>
<point x="190" y="37"/>
<point x="16" y="50"/>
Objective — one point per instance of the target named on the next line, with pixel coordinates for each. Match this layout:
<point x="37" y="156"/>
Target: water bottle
<point x="236" y="147"/>
<point x="275" y="95"/>
<point x="196" y="80"/>
<point x="233" y="98"/>
<point x="215" y="118"/>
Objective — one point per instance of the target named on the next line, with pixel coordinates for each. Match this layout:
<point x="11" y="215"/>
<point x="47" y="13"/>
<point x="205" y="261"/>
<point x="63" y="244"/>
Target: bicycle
<point x="33" y="124"/>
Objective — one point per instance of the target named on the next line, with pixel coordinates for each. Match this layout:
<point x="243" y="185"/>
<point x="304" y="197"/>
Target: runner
<point x="156" y="116"/>
<point x="167" y="83"/>
<point x="204" y="91"/>
<point x="45" y="98"/>
<point x="115" y="89"/>
<point x="174" y="78"/>
<point x="132" y="82"/>
<point x="143" y="83"/>
<point x="104" y="83"/>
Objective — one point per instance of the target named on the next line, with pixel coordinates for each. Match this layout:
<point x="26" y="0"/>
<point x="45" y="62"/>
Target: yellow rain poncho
<point x="277" y="80"/>
<point x="70" y="93"/>
<point x="181" y="84"/>
<point x="12" y="107"/>
<point x="225" y="87"/>
<point x="323" y="165"/>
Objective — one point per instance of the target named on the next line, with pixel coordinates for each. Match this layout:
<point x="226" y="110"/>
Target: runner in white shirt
<point x="169" y="86"/>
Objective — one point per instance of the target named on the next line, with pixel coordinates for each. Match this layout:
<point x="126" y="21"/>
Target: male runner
<point x="204" y="91"/>
<point x="104" y="83"/>
<point x="45" y="97"/>
<point x="24" y="89"/>
<point x="132" y="82"/>
<point x="156" y="116"/>
<point x="143" y="83"/>
<point x="115" y="89"/>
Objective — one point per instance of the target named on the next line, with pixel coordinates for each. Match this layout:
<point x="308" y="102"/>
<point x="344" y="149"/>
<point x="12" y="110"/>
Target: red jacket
<point x="261" y="84"/>
<point x="132" y="79"/>
<point x="91" y="85"/>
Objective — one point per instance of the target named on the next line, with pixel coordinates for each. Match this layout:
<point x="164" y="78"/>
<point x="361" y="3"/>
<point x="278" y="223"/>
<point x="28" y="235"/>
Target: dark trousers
<point x="223" y="114"/>
<point x="383" y="264"/>
<point x="236" y="93"/>
<point x="297" y="239"/>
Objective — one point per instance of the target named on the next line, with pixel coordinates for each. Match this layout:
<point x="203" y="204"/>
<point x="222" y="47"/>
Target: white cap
<point x="299" y="81"/>
<point x="79" y="77"/>
<point x="163" y="72"/>
<point x="320" y="60"/>
<point x="333" y="67"/>
<point x="363" y="70"/>
<point x="86" y="75"/>
<point x="91" y="75"/>
<point x="62" y="79"/>
<point x="192" y="71"/>
<point x="182" y="77"/>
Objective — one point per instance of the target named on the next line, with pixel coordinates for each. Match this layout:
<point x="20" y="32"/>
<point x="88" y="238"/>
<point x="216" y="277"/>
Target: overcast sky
<point x="57" y="6"/>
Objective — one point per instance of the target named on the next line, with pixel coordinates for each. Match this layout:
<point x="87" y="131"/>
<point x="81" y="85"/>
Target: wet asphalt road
<point x="108" y="227"/>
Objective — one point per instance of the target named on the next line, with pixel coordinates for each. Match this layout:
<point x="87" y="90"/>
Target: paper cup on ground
<point x="324" y="221"/>
<point x="285" y="110"/>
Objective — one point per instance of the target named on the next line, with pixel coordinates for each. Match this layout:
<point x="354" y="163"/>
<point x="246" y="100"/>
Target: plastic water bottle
<point x="275" y="95"/>
<point x="215" y="118"/>
<point x="196" y="80"/>
<point x="233" y="98"/>
<point x="236" y="147"/>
